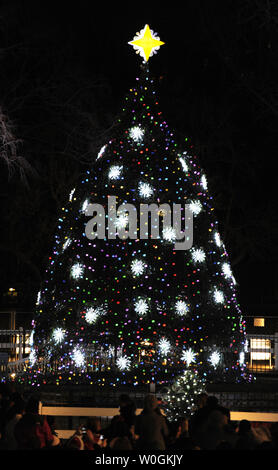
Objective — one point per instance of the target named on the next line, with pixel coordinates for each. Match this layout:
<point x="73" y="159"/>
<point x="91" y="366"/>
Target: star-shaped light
<point x="226" y="269"/>
<point x="146" y="43"/>
<point x="78" y="357"/>
<point x="198" y="255"/>
<point x="137" y="267"/>
<point x="214" y="358"/>
<point x="181" y="307"/>
<point x="136" y="133"/>
<point x="58" y="335"/>
<point x="218" y="296"/>
<point x="169" y="234"/>
<point x="32" y="358"/>
<point x="121" y="221"/>
<point x="195" y="207"/>
<point x="77" y="270"/>
<point x="92" y="314"/>
<point x="164" y="346"/>
<point x="145" y="189"/>
<point x="115" y="172"/>
<point x="188" y="356"/>
<point x="141" y="306"/>
<point x="123" y="363"/>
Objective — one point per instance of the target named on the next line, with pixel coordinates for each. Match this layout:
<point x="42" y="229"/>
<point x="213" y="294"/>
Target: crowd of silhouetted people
<point x="208" y="428"/>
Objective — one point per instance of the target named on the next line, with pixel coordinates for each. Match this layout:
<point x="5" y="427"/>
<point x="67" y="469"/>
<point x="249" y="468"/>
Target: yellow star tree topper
<point x="146" y="43"/>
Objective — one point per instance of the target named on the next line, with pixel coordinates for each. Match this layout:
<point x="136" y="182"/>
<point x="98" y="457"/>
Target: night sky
<point x="65" y="69"/>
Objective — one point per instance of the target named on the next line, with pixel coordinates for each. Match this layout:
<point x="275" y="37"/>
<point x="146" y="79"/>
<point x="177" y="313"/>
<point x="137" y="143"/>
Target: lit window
<point x="259" y="322"/>
<point x="260" y="349"/>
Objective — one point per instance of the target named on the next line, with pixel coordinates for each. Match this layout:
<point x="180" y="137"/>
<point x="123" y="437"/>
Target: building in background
<point x="262" y="340"/>
<point x="261" y="327"/>
<point x="15" y="329"/>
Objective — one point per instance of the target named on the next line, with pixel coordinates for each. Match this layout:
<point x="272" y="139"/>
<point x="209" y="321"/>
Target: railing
<point x="13" y="367"/>
<point x="261" y="354"/>
<point x="15" y="343"/>
<point x="77" y="416"/>
<point x="14" y="350"/>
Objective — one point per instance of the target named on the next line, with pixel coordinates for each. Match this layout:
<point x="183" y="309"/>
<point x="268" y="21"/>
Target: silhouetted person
<point x="33" y="431"/>
<point x="159" y="408"/>
<point x="123" y="439"/>
<point x="197" y="418"/>
<point x="15" y="415"/>
<point x="151" y="427"/>
<point x="246" y="439"/>
<point x="201" y="415"/>
<point x="216" y="432"/>
<point x="92" y="436"/>
<point x="127" y="415"/>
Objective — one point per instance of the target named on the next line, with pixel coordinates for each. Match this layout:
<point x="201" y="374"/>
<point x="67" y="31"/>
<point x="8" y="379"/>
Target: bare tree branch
<point x="9" y="149"/>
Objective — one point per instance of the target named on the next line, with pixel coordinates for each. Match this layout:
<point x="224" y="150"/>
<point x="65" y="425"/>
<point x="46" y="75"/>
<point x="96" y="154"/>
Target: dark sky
<point x="217" y="80"/>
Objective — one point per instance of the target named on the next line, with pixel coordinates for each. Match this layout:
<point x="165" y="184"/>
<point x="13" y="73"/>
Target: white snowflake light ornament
<point x="169" y="234"/>
<point x="218" y="296"/>
<point x="92" y="314"/>
<point x="195" y="207"/>
<point x="136" y="133"/>
<point x="123" y="363"/>
<point x="181" y="307"/>
<point x="58" y="335"/>
<point x="198" y="255"/>
<point x="77" y="271"/>
<point x="78" y="357"/>
<point x="141" y="306"/>
<point x="145" y="190"/>
<point x="137" y="267"/>
<point x="188" y="356"/>
<point x="214" y="358"/>
<point x="115" y="172"/>
<point x="164" y="346"/>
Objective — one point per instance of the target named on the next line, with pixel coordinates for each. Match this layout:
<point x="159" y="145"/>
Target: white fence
<point x="261" y="352"/>
<point x="110" y="412"/>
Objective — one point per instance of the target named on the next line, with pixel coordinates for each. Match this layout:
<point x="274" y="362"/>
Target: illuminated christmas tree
<point x="119" y="304"/>
<point x="181" y="397"/>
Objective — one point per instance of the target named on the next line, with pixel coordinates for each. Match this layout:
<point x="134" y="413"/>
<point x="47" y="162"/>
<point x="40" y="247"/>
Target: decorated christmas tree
<point x="128" y="297"/>
<point x="181" y="396"/>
